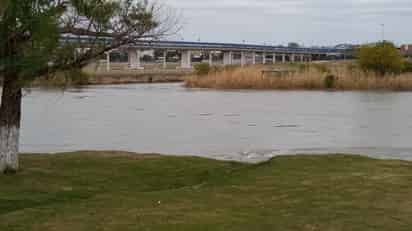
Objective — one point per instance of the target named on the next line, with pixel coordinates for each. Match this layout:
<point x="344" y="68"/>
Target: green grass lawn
<point x="118" y="191"/>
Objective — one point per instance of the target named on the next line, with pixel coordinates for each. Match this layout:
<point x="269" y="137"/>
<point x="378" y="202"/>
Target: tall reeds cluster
<point x="335" y="76"/>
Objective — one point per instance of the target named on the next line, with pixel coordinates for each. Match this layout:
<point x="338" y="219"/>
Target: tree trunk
<point x="10" y="115"/>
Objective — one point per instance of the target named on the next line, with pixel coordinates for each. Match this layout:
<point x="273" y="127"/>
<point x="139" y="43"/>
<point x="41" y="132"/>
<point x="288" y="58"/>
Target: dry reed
<point x="311" y="77"/>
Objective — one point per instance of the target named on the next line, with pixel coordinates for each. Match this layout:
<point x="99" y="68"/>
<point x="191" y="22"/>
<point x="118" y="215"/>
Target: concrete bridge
<point x="217" y="53"/>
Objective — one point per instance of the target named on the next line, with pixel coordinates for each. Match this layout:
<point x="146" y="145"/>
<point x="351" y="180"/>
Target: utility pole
<point x="383" y="32"/>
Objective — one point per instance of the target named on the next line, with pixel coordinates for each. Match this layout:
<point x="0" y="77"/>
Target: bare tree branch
<point x="95" y="27"/>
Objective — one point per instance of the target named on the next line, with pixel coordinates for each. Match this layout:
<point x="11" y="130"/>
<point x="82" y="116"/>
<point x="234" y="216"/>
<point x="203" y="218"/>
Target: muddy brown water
<point x="232" y="125"/>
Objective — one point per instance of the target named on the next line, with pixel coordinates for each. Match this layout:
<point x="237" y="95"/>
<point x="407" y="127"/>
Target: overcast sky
<point x="309" y="22"/>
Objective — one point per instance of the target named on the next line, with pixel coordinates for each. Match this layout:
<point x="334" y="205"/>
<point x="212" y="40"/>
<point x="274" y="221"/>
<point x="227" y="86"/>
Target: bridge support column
<point x="264" y="58"/>
<point x="107" y="61"/>
<point x="164" y="59"/>
<point x="283" y="58"/>
<point x="227" y="58"/>
<point x="302" y="58"/>
<point x="186" y="59"/>
<point x="253" y="58"/>
<point x="274" y="58"/>
<point x="242" y="58"/>
<point x="210" y="58"/>
<point x="292" y="58"/>
<point x="134" y="59"/>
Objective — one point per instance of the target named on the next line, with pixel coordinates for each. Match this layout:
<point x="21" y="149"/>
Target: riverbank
<point x="138" y="76"/>
<point x="311" y="76"/>
<point x="99" y="77"/>
<point x="124" y="191"/>
<point x="121" y="74"/>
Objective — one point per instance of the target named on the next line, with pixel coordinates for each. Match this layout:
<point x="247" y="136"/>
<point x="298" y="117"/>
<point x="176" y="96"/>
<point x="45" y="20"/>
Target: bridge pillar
<point x="274" y="58"/>
<point x="283" y="58"/>
<point x="292" y="58"/>
<point x="264" y="58"/>
<point x="242" y="58"/>
<point x="302" y="58"/>
<point x="227" y="58"/>
<point x="186" y="59"/>
<point x="107" y="61"/>
<point x="253" y="58"/>
<point x="134" y="59"/>
<point x="210" y="58"/>
<point x="164" y="59"/>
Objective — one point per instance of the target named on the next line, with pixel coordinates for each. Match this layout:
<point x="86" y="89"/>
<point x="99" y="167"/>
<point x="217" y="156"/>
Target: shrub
<point x="329" y="81"/>
<point x="382" y="58"/>
<point x="407" y="66"/>
<point x="202" y="68"/>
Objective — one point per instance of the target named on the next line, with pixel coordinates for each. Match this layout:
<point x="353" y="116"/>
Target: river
<point x="239" y="125"/>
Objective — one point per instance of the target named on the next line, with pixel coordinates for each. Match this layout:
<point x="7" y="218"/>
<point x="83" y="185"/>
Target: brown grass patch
<point x="305" y="76"/>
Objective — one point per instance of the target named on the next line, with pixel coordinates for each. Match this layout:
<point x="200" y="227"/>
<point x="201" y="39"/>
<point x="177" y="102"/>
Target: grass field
<point x="121" y="191"/>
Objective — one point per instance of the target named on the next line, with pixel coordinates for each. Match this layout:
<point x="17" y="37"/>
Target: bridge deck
<point x="183" y="45"/>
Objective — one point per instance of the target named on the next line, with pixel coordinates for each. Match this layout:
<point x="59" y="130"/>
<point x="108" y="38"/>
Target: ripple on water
<point x="286" y="126"/>
<point x="205" y="114"/>
<point x="82" y="97"/>
<point x="231" y="115"/>
<point x="234" y="122"/>
<point x="75" y="90"/>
